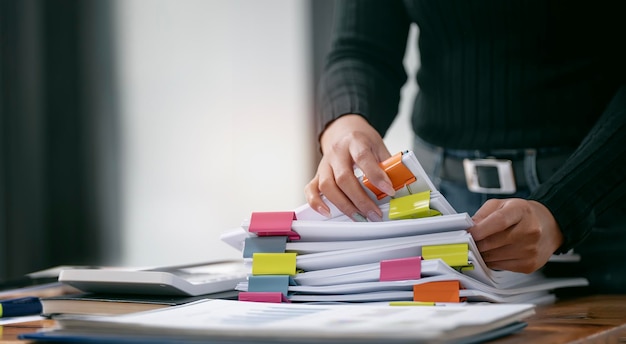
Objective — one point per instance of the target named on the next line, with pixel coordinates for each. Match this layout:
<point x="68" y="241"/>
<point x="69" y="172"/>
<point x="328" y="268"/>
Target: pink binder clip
<point x="273" y="224"/>
<point x="266" y="296"/>
<point x="401" y="269"/>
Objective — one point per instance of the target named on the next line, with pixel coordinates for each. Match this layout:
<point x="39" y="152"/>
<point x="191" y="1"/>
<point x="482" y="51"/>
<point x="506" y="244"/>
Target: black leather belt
<point x="492" y="172"/>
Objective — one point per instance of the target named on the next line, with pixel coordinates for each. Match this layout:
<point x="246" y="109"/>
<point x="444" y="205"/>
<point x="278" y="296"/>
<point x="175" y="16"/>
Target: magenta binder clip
<point x="270" y="297"/>
<point x="401" y="269"/>
<point x="273" y="224"/>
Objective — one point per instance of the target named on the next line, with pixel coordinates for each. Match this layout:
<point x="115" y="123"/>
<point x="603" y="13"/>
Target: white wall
<point x="215" y="105"/>
<point x="215" y="120"/>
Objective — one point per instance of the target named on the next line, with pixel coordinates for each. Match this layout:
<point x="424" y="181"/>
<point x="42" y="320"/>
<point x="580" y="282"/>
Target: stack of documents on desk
<point x="300" y="256"/>
<point x="223" y="321"/>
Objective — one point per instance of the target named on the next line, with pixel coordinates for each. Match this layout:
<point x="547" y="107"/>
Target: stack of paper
<point x="223" y="321"/>
<point x="301" y="256"/>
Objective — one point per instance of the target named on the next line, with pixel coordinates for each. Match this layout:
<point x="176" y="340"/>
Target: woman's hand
<point x="348" y="141"/>
<point x="515" y="234"/>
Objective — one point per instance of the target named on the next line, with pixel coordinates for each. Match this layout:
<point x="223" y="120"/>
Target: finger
<point x="496" y="220"/>
<point x="502" y="253"/>
<point x="369" y="163"/>
<point x="513" y="258"/>
<point x="335" y="183"/>
<point x="496" y="240"/>
<point x="352" y="188"/>
<point x="314" y="197"/>
<point x="516" y="265"/>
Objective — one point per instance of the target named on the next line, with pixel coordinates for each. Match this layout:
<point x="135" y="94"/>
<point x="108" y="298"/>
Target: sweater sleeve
<point x="593" y="179"/>
<point x="364" y="70"/>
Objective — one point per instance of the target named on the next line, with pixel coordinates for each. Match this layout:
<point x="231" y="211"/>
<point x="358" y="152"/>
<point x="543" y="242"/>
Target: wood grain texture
<point x="592" y="319"/>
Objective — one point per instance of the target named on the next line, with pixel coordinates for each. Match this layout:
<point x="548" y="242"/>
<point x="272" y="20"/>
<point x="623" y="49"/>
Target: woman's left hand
<point x="515" y="234"/>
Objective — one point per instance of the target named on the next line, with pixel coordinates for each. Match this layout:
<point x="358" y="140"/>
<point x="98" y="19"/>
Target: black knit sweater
<point x="496" y="75"/>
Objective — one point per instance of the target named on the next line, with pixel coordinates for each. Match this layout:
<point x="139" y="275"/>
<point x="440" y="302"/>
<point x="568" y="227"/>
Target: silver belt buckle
<point x="505" y="175"/>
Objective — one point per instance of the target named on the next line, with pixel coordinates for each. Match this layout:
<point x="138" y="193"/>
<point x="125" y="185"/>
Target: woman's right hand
<point x="349" y="142"/>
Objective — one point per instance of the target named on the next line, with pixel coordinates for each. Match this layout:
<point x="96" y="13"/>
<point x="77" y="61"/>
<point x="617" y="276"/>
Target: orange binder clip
<point x="399" y="174"/>
<point x="440" y="291"/>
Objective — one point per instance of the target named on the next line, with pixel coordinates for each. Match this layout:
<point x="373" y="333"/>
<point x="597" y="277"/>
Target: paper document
<point x="421" y="250"/>
<point x="243" y="322"/>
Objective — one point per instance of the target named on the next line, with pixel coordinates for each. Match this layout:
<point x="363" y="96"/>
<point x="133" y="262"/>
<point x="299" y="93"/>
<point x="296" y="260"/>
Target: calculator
<point x="182" y="280"/>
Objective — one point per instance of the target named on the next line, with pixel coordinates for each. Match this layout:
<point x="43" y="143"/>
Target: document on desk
<point x="302" y="256"/>
<point x="342" y="231"/>
<point x="245" y="322"/>
<point x="326" y="285"/>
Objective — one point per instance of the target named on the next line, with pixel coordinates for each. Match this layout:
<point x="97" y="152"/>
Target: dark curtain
<point x="58" y="135"/>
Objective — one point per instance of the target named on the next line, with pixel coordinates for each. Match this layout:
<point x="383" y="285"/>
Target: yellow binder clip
<point x="411" y="207"/>
<point x="274" y="264"/>
<point x="452" y="254"/>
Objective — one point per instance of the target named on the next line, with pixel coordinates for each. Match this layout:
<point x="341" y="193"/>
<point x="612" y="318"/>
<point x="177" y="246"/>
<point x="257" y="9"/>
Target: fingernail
<point x="323" y="211"/>
<point x="374" y="217"/>
<point x="387" y="188"/>
<point x="358" y="218"/>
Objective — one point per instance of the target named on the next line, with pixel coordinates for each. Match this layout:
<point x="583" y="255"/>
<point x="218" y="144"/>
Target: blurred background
<point x="136" y="132"/>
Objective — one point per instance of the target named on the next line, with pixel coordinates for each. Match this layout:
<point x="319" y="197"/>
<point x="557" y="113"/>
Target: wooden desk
<point x="10" y="332"/>
<point x="594" y="319"/>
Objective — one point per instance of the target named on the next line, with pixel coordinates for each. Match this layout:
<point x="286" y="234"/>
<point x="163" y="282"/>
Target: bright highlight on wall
<point x="215" y="103"/>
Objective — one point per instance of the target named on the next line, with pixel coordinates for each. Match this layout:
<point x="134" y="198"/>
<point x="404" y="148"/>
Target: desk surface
<point x="594" y="319"/>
